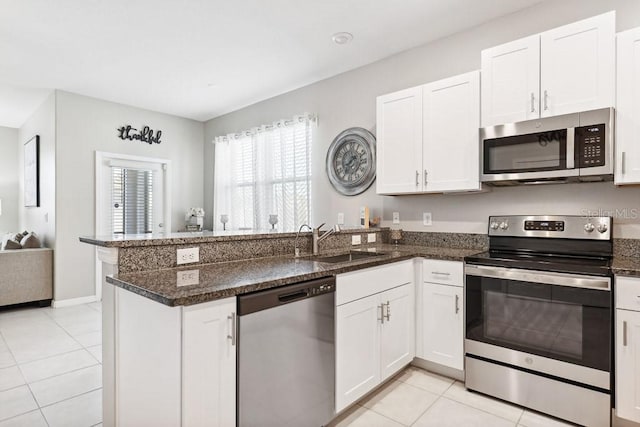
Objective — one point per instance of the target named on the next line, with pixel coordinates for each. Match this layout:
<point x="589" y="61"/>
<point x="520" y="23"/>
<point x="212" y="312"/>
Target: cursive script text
<point x="145" y="135"/>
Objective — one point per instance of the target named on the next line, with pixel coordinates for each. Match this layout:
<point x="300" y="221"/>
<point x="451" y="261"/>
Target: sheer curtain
<point x="264" y="171"/>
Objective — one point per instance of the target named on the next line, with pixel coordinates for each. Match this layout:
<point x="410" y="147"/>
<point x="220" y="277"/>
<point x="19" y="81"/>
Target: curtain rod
<point x="277" y="124"/>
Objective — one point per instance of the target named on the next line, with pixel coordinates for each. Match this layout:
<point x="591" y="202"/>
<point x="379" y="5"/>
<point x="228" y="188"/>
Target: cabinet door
<point x="450" y="142"/>
<point x="209" y="364"/>
<point x="397" y="334"/>
<point x="577" y="68"/>
<point x="628" y="365"/>
<point x="628" y="111"/>
<point x="357" y="349"/>
<point x="511" y="82"/>
<point x="399" y="142"/>
<point x="442" y="326"/>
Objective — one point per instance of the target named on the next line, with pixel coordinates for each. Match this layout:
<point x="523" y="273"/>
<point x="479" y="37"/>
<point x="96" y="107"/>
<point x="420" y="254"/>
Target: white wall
<point x="41" y="219"/>
<point x="86" y="125"/>
<point x="9" y="179"/>
<point x="349" y="100"/>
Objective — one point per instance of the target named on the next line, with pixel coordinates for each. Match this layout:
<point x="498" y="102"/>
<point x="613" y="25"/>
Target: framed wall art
<point x="32" y="172"/>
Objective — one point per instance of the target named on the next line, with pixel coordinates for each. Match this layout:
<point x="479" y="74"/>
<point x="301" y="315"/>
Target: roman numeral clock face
<point x="351" y="161"/>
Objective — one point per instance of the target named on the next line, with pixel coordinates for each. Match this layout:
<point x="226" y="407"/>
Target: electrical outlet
<point x="371" y="237"/>
<point x="396" y="217"/>
<point x="188" y="255"/>
<point x="426" y="218"/>
<point x="188" y="277"/>
<point x="340" y="218"/>
<point x="356" y="239"/>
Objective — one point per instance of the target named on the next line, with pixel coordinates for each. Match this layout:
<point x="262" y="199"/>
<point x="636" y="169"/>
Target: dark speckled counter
<point x="626" y="266"/>
<point x="226" y="279"/>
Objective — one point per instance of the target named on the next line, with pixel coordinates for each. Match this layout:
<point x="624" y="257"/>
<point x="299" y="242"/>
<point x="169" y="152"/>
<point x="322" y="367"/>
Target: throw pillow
<point x="30" y="241"/>
<point x="11" y="244"/>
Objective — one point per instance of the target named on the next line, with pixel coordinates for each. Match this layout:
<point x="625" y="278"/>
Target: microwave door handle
<point x="571" y="142"/>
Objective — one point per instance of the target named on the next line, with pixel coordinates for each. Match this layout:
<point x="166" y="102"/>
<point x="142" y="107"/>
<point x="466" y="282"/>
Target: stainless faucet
<point x="319" y="238"/>
<point x="296" y="248"/>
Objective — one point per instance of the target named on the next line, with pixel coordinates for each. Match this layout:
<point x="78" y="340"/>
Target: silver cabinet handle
<point x="438" y="273"/>
<point x="546" y="96"/>
<point x="388" y="311"/>
<point x="533" y="100"/>
<point x="624" y="333"/>
<point x="417" y="178"/>
<point x="622" y="161"/>
<point x="425" y="177"/>
<point x="381" y="307"/>
<point x="232" y="336"/>
<point x="457" y="304"/>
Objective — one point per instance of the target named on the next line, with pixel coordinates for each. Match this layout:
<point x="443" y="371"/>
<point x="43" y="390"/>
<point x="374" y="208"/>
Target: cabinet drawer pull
<point x="232" y="335"/>
<point x="624" y="333"/>
<point x="622" y="161"/>
<point x="533" y="100"/>
<point x="417" y="178"/>
<point x="438" y="273"/>
<point x="457" y="304"/>
<point x="388" y="311"/>
<point x="546" y="97"/>
<point x="381" y="318"/>
<point x="425" y="177"/>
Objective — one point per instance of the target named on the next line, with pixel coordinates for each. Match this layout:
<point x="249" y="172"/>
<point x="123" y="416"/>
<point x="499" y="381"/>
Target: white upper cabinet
<point x="450" y="137"/>
<point x="577" y="66"/>
<point x="511" y="82"/>
<point x="399" y="145"/>
<point x="628" y="108"/>
<point x="561" y="71"/>
<point x="428" y="137"/>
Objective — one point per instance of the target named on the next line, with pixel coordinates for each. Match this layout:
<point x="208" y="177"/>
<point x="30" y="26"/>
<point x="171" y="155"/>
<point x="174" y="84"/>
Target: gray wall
<point x="9" y="179"/>
<point x="41" y="219"/>
<point x="86" y="125"/>
<point x="349" y="100"/>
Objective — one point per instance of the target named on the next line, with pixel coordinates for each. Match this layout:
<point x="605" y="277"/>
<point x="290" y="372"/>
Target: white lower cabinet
<point x="375" y="333"/>
<point x="174" y="366"/>
<point x="441" y="314"/>
<point x="627" y="348"/>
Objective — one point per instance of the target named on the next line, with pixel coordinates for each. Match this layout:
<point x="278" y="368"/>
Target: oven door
<point x="555" y="323"/>
<point x="533" y="156"/>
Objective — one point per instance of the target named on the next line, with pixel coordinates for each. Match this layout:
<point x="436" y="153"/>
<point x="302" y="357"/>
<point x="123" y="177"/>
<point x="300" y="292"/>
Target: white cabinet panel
<point x="362" y="283"/>
<point x="628" y="364"/>
<point x="628" y="108"/>
<point x="511" y="82"/>
<point x="443" y="272"/>
<point x="442" y="327"/>
<point x="397" y="338"/>
<point x="399" y="142"/>
<point x="209" y="364"/>
<point x="450" y="136"/>
<point x="577" y="66"/>
<point x="357" y="349"/>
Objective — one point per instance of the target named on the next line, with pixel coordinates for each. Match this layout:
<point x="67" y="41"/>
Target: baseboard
<point x="73" y="301"/>
<point x="439" y="369"/>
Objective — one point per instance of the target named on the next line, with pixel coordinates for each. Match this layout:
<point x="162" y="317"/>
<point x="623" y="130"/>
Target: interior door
<point x="577" y="66"/>
<point x="511" y="82"/>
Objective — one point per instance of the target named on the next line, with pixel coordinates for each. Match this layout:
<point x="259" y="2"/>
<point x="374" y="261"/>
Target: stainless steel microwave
<point x="566" y="148"/>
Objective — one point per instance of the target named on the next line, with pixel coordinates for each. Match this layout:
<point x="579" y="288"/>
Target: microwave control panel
<point x="590" y="143"/>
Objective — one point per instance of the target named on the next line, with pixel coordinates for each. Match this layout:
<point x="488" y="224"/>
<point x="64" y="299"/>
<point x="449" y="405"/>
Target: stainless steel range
<point x="539" y="316"/>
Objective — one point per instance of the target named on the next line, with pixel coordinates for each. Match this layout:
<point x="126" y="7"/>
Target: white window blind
<point x="132" y="200"/>
<point x="265" y="171"/>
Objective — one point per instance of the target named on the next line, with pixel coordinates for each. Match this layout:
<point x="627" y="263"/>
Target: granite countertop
<point x="226" y="279"/>
<point x="626" y="266"/>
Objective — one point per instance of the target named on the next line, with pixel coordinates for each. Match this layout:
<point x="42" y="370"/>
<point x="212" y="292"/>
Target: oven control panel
<point x="544" y="225"/>
<point x="551" y="226"/>
<point x="590" y="141"/>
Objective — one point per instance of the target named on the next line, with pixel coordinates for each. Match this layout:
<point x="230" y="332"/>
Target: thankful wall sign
<point x="147" y="134"/>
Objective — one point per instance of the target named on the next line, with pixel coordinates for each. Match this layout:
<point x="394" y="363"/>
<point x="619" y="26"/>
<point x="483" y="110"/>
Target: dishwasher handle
<point x="293" y="296"/>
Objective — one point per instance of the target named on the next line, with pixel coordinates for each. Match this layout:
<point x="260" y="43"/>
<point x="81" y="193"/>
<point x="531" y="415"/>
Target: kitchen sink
<point x="350" y="256"/>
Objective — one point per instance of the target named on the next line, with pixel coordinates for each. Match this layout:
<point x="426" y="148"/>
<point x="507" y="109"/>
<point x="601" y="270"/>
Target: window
<point x="262" y="172"/>
<point x="132" y="201"/>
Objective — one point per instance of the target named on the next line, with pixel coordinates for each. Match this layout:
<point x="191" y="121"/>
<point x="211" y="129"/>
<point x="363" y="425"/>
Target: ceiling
<point x="204" y="58"/>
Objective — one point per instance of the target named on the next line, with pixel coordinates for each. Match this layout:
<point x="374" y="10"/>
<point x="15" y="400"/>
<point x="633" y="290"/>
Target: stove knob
<point x="588" y="227"/>
<point x="602" y="228"/>
<point x="494" y="225"/>
<point x="504" y="225"/>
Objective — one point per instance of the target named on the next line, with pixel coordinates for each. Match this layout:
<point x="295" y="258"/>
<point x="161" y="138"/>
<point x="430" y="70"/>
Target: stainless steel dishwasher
<point x="286" y="356"/>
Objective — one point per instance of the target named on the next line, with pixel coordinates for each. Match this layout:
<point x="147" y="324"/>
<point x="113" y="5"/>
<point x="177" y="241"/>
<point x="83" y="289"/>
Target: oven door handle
<point x="535" y="276"/>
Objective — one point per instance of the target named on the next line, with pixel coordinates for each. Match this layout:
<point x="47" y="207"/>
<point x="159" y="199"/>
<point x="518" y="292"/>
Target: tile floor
<point x="421" y="399"/>
<point x="50" y="375"/>
<point x="50" y="366"/>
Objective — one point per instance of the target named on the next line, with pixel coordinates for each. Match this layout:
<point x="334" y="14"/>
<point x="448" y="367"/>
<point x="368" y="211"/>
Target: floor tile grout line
<point x="64" y="373"/>
<point x="51" y="356"/>
<point x="69" y="398"/>
<point x="485" y="411"/>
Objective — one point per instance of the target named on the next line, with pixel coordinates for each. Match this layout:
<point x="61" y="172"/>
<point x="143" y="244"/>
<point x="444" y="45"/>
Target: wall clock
<point x="351" y="161"/>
